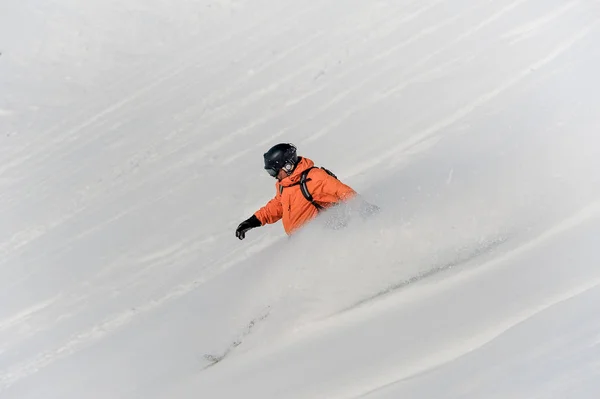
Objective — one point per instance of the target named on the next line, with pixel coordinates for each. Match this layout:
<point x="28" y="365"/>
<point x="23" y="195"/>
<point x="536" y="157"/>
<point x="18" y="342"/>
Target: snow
<point x="131" y="137"/>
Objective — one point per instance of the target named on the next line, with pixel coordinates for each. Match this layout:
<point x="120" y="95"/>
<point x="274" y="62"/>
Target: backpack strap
<point x="303" y="179"/>
<point x="304" y="188"/>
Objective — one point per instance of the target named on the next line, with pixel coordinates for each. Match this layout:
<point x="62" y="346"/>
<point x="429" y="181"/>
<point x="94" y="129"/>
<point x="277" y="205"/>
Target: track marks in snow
<point x="533" y="27"/>
<point x="238" y="104"/>
<point x="214" y="359"/>
<point x="25" y="315"/>
<point x="346" y="73"/>
<point x="81" y="130"/>
<point x="217" y="114"/>
<point x="391" y="156"/>
<point x="385" y="379"/>
<point x="115" y="322"/>
<point x="416" y="67"/>
<point x="585" y="214"/>
<point x="87" y="337"/>
<point x="467" y="257"/>
<point x="480" y="340"/>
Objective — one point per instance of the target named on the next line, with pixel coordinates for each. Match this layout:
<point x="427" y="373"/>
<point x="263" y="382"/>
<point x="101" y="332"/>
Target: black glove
<point x="246" y="225"/>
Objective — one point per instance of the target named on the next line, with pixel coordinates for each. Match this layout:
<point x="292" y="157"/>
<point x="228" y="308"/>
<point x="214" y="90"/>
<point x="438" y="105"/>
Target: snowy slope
<point x="130" y="149"/>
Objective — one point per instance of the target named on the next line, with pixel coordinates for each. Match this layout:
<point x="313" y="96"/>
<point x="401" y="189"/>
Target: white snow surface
<point x="131" y="141"/>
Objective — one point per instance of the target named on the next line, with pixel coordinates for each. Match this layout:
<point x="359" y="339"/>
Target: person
<point x="302" y="192"/>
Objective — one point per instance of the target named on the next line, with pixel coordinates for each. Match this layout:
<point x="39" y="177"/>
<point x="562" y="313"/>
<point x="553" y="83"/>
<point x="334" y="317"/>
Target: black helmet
<point x="281" y="156"/>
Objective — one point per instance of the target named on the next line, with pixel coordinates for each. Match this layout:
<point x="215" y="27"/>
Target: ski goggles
<point x="272" y="172"/>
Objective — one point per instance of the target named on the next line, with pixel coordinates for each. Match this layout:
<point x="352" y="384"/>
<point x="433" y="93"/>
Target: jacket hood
<point x="302" y="165"/>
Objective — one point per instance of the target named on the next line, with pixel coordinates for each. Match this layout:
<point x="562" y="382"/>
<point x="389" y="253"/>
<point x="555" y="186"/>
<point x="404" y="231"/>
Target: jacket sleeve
<point x="270" y="213"/>
<point x="332" y="186"/>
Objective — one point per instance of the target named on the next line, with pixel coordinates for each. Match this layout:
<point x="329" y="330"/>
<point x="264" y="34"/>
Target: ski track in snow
<point x="107" y="326"/>
<point x="325" y="330"/>
<point x="445" y="123"/>
<point x="588" y="213"/>
<point x="531" y="28"/>
<point x="476" y="342"/>
<point x="416" y="66"/>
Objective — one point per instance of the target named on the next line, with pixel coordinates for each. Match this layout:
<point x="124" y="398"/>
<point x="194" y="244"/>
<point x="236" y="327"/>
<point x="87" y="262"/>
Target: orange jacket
<point x="290" y="205"/>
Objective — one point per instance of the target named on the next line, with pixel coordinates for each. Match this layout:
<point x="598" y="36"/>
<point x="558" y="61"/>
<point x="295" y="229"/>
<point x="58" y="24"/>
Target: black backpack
<point x="303" y="179"/>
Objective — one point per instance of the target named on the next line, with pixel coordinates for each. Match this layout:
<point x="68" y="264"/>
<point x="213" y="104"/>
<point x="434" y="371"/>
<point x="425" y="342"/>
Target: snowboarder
<point x="302" y="191"/>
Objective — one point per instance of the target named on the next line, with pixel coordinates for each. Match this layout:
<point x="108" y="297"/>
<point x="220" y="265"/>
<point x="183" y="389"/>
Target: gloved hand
<point x="246" y="225"/>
